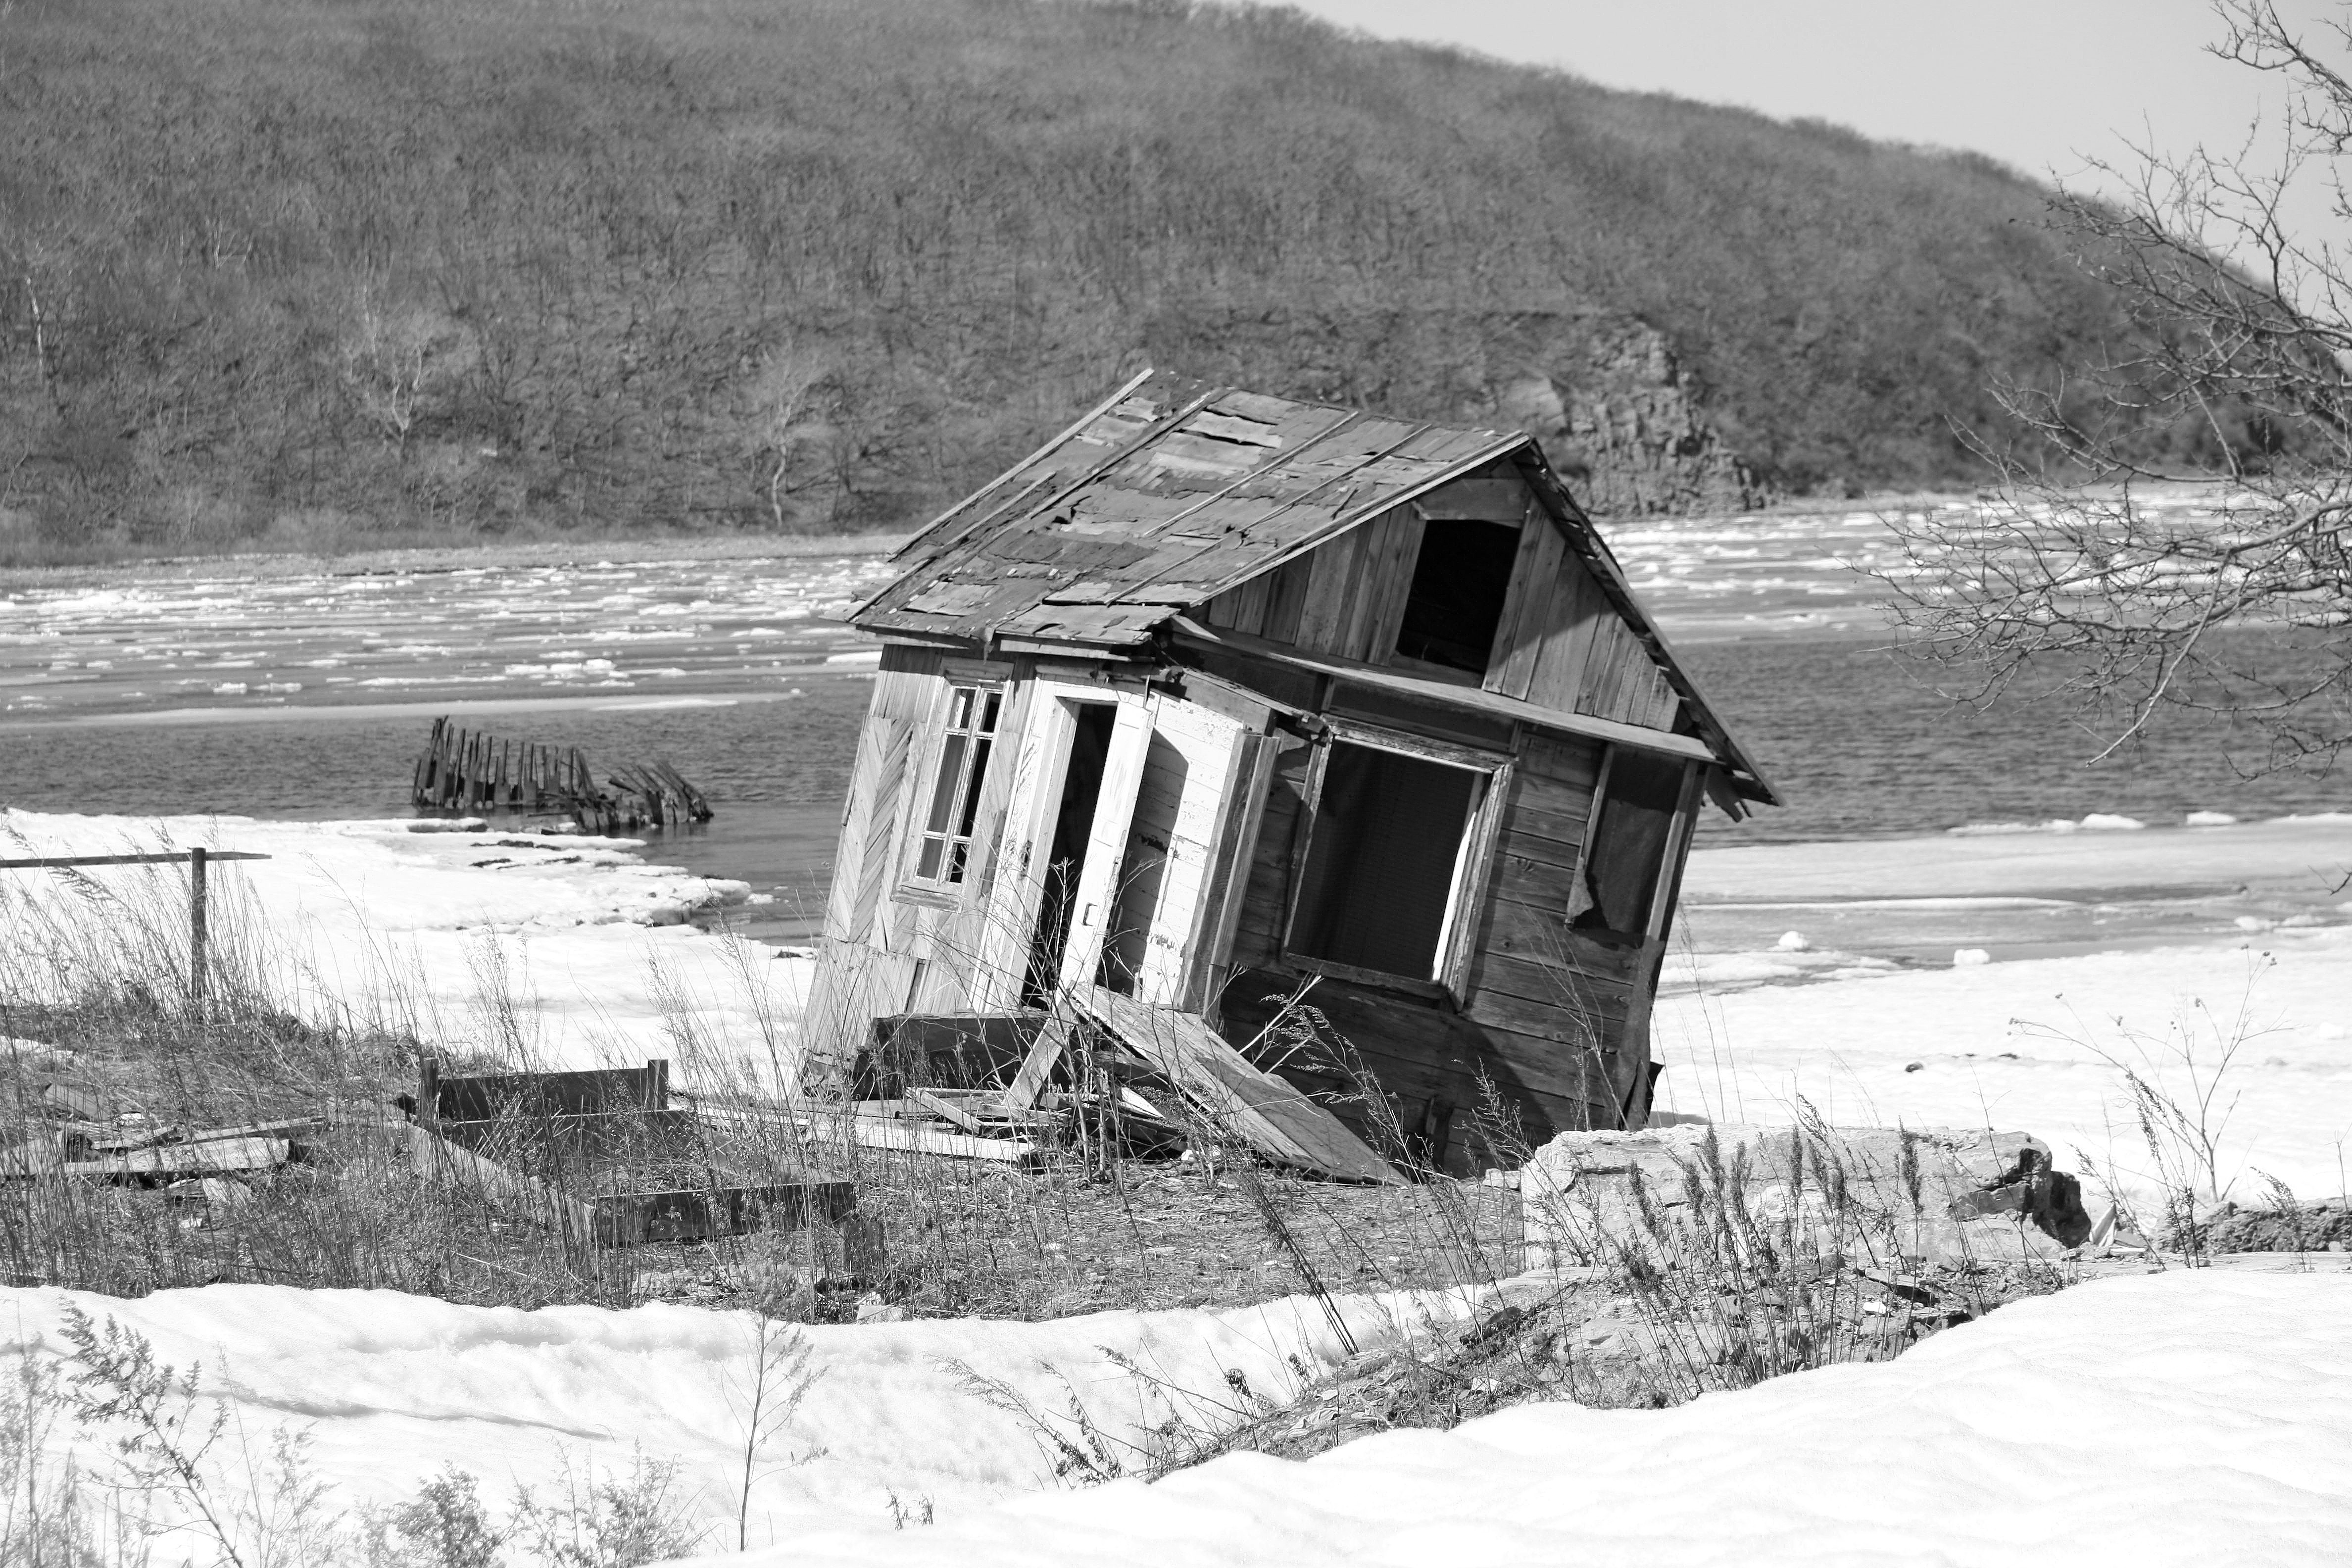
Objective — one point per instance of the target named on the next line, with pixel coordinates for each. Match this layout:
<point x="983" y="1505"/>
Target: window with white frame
<point x="944" y="855"/>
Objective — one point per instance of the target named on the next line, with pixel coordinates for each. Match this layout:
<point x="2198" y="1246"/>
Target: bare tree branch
<point x="2113" y="589"/>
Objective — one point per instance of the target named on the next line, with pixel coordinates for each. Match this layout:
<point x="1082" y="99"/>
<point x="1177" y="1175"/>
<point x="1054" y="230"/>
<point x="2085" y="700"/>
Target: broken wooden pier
<point x="473" y="770"/>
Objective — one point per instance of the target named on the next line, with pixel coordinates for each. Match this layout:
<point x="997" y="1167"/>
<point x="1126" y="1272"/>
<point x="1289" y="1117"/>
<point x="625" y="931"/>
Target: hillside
<point x="418" y="267"/>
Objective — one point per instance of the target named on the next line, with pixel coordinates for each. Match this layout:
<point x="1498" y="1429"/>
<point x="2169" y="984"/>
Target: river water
<point x="305" y="689"/>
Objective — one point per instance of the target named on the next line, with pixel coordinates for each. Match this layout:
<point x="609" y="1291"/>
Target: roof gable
<point x="1173" y="491"/>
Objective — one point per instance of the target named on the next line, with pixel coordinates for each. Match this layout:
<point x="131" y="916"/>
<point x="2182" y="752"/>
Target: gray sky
<point x="2035" y="83"/>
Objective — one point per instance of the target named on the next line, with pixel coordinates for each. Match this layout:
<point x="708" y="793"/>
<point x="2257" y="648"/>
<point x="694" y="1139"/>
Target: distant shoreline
<point x="428" y="558"/>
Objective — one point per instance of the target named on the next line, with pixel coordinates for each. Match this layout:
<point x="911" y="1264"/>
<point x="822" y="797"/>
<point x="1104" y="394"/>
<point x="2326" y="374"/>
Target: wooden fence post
<point x="196" y="928"/>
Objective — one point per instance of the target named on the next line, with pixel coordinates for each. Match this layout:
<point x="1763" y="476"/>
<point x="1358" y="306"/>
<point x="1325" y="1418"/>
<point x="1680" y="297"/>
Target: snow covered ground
<point x="444" y="931"/>
<point x="2187" y="1417"/>
<point x="2182" y="1419"/>
<point x="393" y="1387"/>
<point x="1999" y="978"/>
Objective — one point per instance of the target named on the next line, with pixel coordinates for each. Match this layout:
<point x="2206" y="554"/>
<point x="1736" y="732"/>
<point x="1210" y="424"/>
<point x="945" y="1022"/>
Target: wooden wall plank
<point x="1330" y="594"/>
<point x="1604" y="665"/>
<point x="1242" y="609"/>
<point x="1286" y="598"/>
<point x="1526" y="621"/>
<point x="1393" y="549"/>
<point x="879" y="852"/>
<point x="1569" y="760"/>
<point x="1570" y="622"/>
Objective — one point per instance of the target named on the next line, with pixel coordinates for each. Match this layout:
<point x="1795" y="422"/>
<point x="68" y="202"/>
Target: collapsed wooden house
<point x="1217" y="693"/>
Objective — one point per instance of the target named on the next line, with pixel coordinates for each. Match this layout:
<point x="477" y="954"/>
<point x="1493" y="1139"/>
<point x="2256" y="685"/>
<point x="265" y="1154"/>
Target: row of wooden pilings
<point x="469" y="770"/>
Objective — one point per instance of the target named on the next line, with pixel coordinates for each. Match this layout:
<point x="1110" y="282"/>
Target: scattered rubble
<point x="1935" y="1194"/>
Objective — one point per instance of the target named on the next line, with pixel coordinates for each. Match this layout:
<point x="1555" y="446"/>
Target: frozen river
<point x="293" y="688"/>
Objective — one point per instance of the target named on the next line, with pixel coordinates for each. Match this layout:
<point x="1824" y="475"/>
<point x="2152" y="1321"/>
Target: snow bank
<point x="1890" y="1013"/>
<point x="2186" y="1418"/>
<point x="435" y="926"/>
<point x="2018" y="1044"/>
<point x="392" y="1387"/>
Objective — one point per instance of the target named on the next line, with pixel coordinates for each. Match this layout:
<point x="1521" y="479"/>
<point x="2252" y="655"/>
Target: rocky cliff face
<point x="1600" y="391"/>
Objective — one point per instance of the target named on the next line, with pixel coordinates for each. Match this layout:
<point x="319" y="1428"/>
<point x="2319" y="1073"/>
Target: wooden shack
<point x="1216" y="692"/>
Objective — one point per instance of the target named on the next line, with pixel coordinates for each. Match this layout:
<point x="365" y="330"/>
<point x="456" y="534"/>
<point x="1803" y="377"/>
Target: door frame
<point x="1040" y="775"/>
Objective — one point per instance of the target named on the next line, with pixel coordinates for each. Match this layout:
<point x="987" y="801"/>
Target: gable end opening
<point x="1460" y="580"/>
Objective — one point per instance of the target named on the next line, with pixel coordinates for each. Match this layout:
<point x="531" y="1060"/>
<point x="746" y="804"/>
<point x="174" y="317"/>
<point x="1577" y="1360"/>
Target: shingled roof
<point x="1172" y="491"/>
<point x="1168" y="494"/>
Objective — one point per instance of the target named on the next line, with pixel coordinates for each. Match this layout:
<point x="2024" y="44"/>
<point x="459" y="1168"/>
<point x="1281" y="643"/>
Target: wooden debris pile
<point x="1114" y="1076"/>
<point x="472" y="770"/>
<point x="602" y="1156"/>
<point x="77" y="1138"/>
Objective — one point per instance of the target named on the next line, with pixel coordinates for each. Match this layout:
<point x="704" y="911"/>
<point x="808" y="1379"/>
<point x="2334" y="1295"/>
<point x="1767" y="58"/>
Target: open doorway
<point x="1383" y="861"/>
<point x="1066" y="858"/>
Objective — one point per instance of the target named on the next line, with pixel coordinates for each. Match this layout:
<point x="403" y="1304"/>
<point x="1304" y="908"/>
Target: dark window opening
<point x="946" y="851"/>
<point x="1381" y="861"/>
<point x="1066" y="858"/>
<point x="1629" y="844"/>
<point x="1456" y="599"/>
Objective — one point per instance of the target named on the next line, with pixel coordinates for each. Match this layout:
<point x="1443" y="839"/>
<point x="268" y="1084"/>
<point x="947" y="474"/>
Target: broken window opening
<point x="1384" y="861"/>
<point x="1627" y="852"/>
<point x="1455" y="603"/>
<point x="946" y="852"/>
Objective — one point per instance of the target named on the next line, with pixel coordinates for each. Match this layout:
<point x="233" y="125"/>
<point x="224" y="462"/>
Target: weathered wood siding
<point x="1345" y="596"/>
<point x="1561" y="643"/>
<point x="1555" y="1017"/>
<point x="1553" y="1000"/>
<point x="887" y="948"/>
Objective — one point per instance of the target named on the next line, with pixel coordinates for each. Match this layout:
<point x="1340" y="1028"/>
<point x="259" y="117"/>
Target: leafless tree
<point x="794" y="389"/>
<point x="2088" y="572"/>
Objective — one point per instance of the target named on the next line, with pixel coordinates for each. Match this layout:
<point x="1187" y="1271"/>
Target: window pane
<point x="927" y="866"/>
<point x="960" y="709"/>
<point x="943" y="788"/>
<point x="1380" y="863"/>
<point x="956" y="853"/>
<point x="972" y="790"/>
<point x="988" y="714"/>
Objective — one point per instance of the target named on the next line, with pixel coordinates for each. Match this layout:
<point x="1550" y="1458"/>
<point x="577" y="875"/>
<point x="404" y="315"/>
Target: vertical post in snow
<point x="197" y="934"/>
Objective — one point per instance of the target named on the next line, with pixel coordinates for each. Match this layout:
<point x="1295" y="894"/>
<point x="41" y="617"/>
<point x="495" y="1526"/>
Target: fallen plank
<point x="1038" y="1065"/>
<point x="987" y="1106"/>
<point x="946" y="1111"/>
<point x="218" y="1157"/>
<point x="915" y="1138"/>
<point x="1268" y="1114"/>
<point x="284" y="1127"/>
